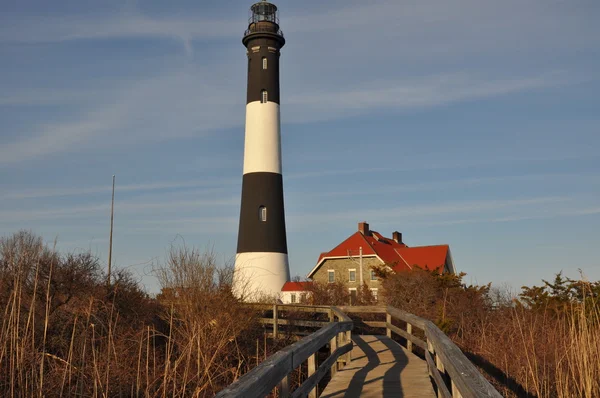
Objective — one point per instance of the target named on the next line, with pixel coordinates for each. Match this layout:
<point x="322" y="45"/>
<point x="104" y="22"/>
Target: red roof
<point x="426" y="257"/>
<point x="353" y="243"/>
<point x="386" y="249"/>
<point x="398" y="255"/>
<point x="295" y="286"/>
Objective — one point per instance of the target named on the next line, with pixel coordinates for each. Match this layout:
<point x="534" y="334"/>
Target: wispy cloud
<point x="49" y="97"/>
<point x="140" y="111"/>
<point x="188" y="225"/>
<point x="387" y="216"/>
<point x="441" y="185"/>
<point x="36" y="29"/>
<point x="326" y="173"/>
<point x="421" y="92"/>
<point x="128" y="207"/>
<point x="80" y="191"/>
<point x="571" y="212"/>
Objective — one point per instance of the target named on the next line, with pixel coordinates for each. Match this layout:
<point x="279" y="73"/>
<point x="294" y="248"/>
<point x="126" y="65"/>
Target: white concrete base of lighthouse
<point x="259" y="276"/>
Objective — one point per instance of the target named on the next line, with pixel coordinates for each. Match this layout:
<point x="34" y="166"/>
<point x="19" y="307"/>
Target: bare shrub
<point x="207" y="323"/>
<point x="336" y="293"/>
<point x="544" y="343"/>
<point x="64" y="332"/>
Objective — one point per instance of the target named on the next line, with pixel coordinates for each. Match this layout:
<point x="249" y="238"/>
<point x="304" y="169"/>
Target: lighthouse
<point x="261" y="263"/>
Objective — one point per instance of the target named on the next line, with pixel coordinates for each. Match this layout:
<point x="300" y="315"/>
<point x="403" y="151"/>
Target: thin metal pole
<point x="361" y="266"/>
<point x="112" y="213"/>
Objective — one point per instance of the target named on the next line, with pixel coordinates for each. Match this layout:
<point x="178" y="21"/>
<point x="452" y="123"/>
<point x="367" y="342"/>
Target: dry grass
<point x="544" y="344"/>
<point x="578" y="368"/>
<point x="64" y="333"/>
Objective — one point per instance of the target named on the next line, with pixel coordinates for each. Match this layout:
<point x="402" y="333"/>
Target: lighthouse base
<point x="260" y="276"/>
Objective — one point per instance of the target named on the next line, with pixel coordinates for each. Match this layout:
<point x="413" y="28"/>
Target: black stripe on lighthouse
<point x="263" y="69"/>
<point x="262" y="218"/>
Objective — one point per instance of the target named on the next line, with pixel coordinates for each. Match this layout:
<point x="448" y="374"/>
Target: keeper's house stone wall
<point x="342" y="267"/>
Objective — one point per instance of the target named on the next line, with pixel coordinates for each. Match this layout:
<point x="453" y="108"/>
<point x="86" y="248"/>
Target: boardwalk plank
<point x="380" y="367"/>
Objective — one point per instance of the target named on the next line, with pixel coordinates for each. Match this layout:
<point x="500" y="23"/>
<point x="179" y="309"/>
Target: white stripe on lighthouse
<point x="262" y="144"/>
<point x="259" y="274"/>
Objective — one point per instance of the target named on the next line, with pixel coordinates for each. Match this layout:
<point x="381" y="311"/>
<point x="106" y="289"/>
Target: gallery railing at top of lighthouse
<point x="263" y="28"/>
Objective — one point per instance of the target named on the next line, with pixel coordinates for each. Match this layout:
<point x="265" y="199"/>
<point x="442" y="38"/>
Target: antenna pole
<point x="361" y="266"/>
<point x="112" y="213"/>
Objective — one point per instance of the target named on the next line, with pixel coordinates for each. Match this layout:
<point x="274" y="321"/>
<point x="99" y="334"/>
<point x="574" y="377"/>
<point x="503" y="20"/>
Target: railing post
<point x="275" y="321"/>
<point x="312" y="367"/>
<point x="332" y="348"/>
<point x="349" y="353"/>
<point x="455" y="392"/>
<point x="284" y="388"/>
<point x="333" y="345"/>
<point x="409" y="343"/>
<point x="432" y="352"/>
<point x="388" y="320"/>
<point x="441" y="369"/>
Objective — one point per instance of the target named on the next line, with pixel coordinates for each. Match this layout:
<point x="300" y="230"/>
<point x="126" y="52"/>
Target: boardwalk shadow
<point x="392" y="385"/>
<point x="388" y="375"/>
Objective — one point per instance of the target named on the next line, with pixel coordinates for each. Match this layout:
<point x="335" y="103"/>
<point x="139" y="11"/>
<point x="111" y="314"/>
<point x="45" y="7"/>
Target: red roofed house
<point x="350" y="262"/>
<point x="291" y="292"/>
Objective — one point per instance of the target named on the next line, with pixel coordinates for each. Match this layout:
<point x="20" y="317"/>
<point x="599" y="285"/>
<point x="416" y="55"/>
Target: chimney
<point x="397" y="236"/>
<point x="363" y="228"/>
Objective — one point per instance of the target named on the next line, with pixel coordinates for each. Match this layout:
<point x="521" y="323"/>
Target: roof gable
<point x="350" y="247"/>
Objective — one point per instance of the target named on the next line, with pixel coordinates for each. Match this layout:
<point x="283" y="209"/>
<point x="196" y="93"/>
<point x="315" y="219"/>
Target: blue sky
<point x="473" y="123"/>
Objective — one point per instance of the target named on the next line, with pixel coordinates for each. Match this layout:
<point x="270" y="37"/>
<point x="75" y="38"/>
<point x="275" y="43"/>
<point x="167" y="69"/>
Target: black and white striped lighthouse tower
<point x="261" y="264"/>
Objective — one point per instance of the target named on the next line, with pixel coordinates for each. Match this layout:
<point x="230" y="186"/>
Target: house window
<point x="293" y="298"/>
<point x="353" y="295"/>
<point x="374" y="294"/>
<point x="352" y="275"/>
<point x="262" y="213"/>
<point x="264" y="97"/>
<point x="264" y="62"/>
<point x="330" y="276"/>
<point x="373" y="276"/>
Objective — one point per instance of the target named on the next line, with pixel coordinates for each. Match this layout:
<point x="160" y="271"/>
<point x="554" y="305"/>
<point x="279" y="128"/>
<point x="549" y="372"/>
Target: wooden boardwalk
<point x="380" y="367"/>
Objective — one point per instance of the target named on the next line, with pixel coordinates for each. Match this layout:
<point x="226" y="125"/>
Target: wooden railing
<point x="453" y="374"/>
<point x="275" y="370"/>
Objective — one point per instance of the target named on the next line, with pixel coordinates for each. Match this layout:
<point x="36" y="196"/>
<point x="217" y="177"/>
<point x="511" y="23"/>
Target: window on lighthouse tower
<point x="262" y="213"/>
<point x="264" y="97"/>
<point x="264" y="62"/>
